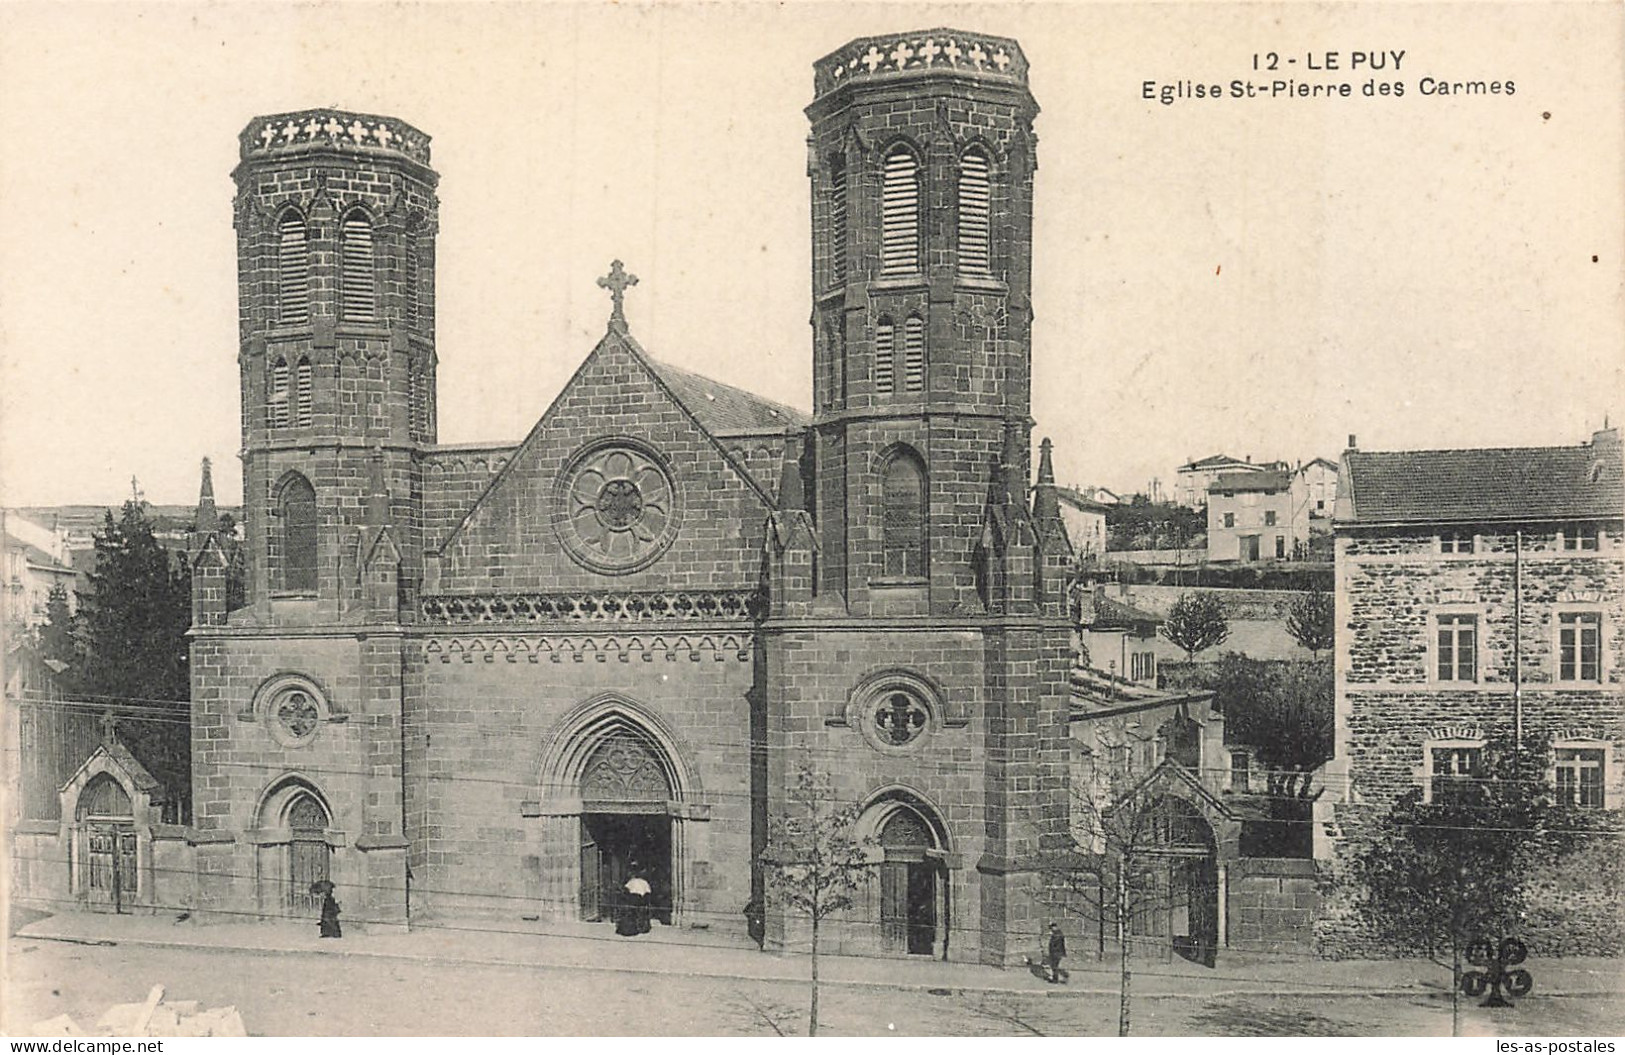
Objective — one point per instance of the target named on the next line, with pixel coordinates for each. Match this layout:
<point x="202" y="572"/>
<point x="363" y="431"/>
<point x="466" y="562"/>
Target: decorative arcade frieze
<point x="699" y="605"/>
<point x="949" y="50"/>
<point x="568" y="648"/>
<point x="334" y="128"/>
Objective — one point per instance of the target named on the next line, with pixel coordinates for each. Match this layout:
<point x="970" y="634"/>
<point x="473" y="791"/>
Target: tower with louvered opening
<point x="335" y="217"/>
<point x="921" y="164"/>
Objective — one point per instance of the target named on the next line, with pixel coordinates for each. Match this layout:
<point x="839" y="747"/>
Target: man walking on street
<point x="1057" y="950"/>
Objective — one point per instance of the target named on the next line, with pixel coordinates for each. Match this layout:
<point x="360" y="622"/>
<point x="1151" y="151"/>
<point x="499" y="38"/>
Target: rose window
<point x="297" y="714"/>
<point x="618" y="508"/>
<point x="899" y="719"/>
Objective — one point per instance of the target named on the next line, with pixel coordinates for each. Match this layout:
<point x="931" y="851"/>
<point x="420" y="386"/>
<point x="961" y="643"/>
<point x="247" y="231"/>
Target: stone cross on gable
<point x="109" y="726"/>
<point x="618" y="281"/>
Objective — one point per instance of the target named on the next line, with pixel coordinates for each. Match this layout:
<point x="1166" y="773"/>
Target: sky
<point x="1259" y="277"/>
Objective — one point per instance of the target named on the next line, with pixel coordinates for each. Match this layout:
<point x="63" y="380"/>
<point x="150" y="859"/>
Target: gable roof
<point x="1077" y="500"/>
<point x="1583" y="482"/>
<point x="724" y="410"/>
<point x="1253" y="481"/>
<point x="1214" y="461"/>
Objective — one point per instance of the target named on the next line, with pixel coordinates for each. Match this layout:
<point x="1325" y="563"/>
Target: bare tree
<point x="1115" y="871"/>
<point x="812" y="863"/>
<point x="1196" y="623"/>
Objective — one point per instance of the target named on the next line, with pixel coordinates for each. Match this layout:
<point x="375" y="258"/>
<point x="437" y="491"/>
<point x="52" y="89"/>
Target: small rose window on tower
<point x="297" y="714"/>
<point x="292" y="708"/>
<point x="898" y="718"/>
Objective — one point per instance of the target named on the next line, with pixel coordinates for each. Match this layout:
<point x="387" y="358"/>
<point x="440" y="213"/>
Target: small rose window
<point x="296" y="712"/>
<point x="899" y="718"/>
<point x="292" y="708"/>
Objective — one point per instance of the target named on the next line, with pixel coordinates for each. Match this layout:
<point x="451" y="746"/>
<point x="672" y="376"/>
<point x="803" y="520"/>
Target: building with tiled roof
<point x="1481" y="602"/>
<point x="1192" y="480"/>
<point x="1254" y="516"/>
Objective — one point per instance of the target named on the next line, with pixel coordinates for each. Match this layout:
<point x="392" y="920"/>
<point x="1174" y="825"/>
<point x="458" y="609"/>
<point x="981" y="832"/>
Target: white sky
<point x="1256" y="277"/>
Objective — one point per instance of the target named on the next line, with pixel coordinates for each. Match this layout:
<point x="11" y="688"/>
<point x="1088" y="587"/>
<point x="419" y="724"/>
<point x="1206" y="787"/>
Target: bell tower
<point x="921" y="161"/>
<point x="336" y="219"/>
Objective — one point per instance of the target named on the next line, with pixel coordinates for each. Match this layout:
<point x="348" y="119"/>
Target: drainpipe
<point x="1517" y="642"/>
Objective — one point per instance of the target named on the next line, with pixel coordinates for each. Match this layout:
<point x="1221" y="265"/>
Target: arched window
<point x="296" y="507"/>
<point x="837" y="221"/>
<point x="293" y="269"/>
<point x="975" y="212"/>
<point x="357" y="280"/>
<point x="914" y="354"/>
<point x="900" y="213"/>
<point x="902" y="518"/>
<point x="409" y="276"/>
<point x="418" y="398"/>
<point x="302" y="393"/>
<point x="885" y="356"/>
<point x="276" y="398"/>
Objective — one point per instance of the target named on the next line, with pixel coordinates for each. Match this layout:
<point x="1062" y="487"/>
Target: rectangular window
<point x="1580" y="539"/>
<point x="1453" y="770"/>
<point x="1458" y="648"/>
<point x="1230" y="520"/>
<point x="1579" y="646"/>
<point x="1579" y="776"/>
<point x="1280" y="546"/>
<point x="1456" y="542"/>
<point x="1269" y="518"/>
<point x="1239" y="763"/>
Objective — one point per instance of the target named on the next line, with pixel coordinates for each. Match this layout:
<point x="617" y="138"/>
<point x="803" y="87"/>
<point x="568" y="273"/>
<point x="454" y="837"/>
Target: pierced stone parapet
<point x="996" y="59"/>
<point x="573" y="648"/>
<point x="267" y="136"/>
<point x="592" y="607"/>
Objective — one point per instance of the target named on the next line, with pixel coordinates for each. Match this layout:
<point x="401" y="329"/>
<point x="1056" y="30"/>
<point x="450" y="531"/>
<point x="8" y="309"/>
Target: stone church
<point x="492" y="681"/>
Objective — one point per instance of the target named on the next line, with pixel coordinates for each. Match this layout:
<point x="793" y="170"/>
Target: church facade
<point x="496" y="681"/>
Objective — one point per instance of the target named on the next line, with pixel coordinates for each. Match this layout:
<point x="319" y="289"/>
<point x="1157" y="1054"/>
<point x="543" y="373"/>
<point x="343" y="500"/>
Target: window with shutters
<point x="903" y="517"/>
<point x="885" y="356"/>
<point x="293" y="269"/>
<point x="900" y="213"/>
<point x="276" y="398"/>
<point x="357" y="280"/>
<point x="296" y="511"/>
<point x="837" y="221"/>
<point x="975" y="215"/>
<point x="914" y="354"/>
<point x="302" y="393"/>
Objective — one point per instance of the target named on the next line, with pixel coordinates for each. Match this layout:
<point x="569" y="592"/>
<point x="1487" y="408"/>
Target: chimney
<point x="1352" y="444"/>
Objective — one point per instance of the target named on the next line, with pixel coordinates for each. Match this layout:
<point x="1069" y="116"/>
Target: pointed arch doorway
<point x="626" y="827"/>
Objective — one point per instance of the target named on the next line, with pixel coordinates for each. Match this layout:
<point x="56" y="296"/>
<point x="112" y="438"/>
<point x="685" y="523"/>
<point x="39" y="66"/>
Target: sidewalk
<point x="698" y="954"/>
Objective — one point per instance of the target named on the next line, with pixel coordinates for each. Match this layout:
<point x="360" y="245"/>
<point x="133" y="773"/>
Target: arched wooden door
<point x="911" y="887"/>
<point x="625" y="827"/>
<point x="109" y="879"/>
<point x="308" y="855"/>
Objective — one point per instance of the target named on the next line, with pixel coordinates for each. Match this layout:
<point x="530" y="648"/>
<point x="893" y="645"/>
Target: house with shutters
<point x="1481" y="596"/>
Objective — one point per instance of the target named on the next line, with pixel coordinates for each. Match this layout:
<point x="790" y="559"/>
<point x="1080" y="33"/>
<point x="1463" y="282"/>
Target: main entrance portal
<point x="614" y="848"/>
<point x="626" y="830"/>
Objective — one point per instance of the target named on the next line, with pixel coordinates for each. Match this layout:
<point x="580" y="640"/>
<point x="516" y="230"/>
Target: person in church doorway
<point x="329" y="925"/>
<point x="1056" y="953"/>
<point x="634" y="915"/>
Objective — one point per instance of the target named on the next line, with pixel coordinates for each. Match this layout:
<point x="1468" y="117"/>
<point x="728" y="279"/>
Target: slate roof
<point x="1254" y="481"/>
<point x="725" y="410"/>
<point x="1115" y="615"/>
<point x="1584" y="482"/>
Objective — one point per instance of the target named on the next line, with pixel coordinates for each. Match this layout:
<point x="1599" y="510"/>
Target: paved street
<point x="309" y="993"/>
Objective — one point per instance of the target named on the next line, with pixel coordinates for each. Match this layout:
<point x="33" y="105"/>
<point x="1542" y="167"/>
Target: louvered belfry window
<point x="302" y="392"/>
<point x="900" y="214"/>
<point x="293" y="270"/>
<point x="914" y="354"/>
<point x="975" y="214"/>
<point x="885" y="356"/>
<point x="276" y="401"/>
<point x="409" y="282"/>
<point x="358" y="281"/>
<point x="418" y="397"/>
<point x="902" y="518"/>
<point x="837" y="221"/>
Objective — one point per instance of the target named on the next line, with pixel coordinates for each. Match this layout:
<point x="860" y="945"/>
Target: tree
<point x="1196" y="623"/>
<point x="812" y="863"/>
<point x="1442" y="871"/>
<point x="134" y="621"/>
<point x="1312" y="621"/>
<point x="1115" y="869"/>
<point x="1284" y="711"/>
<point x="59" y="636"/>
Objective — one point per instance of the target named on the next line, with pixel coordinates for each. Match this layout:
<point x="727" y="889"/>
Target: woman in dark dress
<point x="330" y="915"/>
